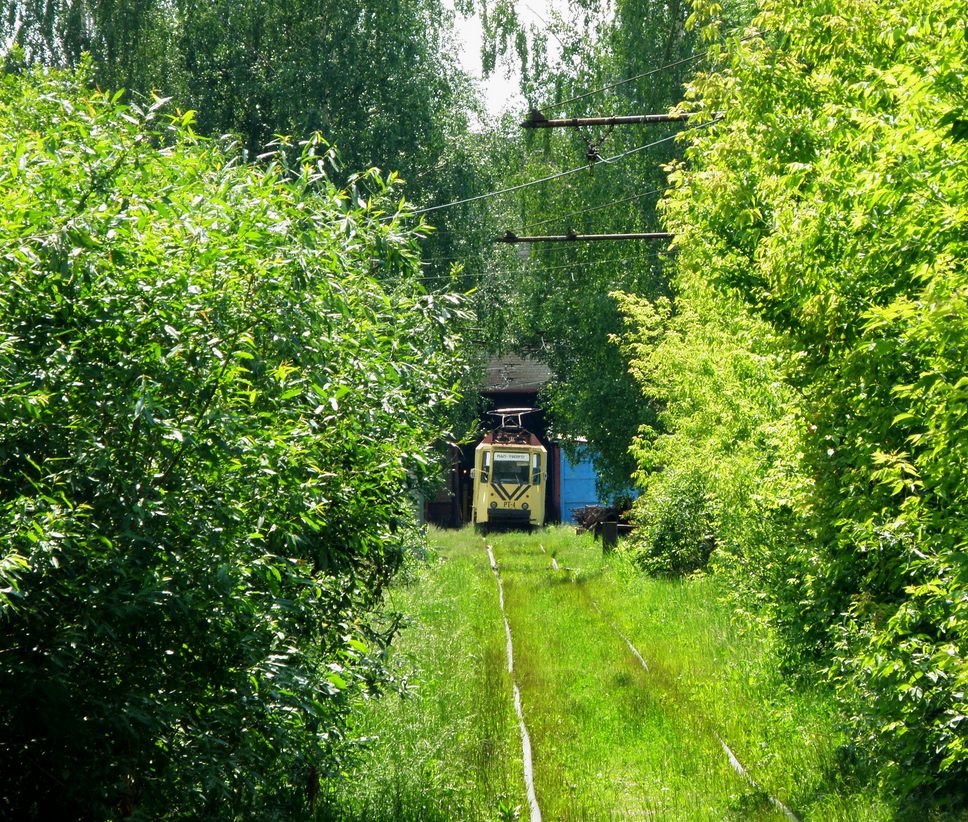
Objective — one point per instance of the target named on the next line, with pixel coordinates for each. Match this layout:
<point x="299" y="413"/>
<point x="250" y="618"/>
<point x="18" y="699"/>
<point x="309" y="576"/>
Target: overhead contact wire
<point x="594" y="208"/>
<point x="632" y="79"/>
<point x="610" y="86"/>
<point x="482" y="258"/>
<point x="510" y="189"/>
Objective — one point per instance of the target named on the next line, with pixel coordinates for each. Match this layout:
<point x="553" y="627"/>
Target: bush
<point x="675" y="533"/>
<point x="212" y="417"/>
<point x="820" y="221"/>
<point x="719" y="468"/>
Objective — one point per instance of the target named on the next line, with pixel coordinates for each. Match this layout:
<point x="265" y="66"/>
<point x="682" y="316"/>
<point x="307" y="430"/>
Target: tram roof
<point x="529" y="439"/>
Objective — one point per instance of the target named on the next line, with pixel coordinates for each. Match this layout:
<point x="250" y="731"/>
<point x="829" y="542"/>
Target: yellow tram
<point x="510" y="475"/>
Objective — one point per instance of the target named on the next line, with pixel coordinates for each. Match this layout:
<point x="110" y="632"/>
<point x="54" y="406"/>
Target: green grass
<point x="450" y="749"/>
<point x="723" y="676"/>
<point x="606" y="744"/>
<point x="610" y="739"/>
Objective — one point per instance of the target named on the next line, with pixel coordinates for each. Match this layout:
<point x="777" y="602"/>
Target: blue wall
<point x="577" y="485"/>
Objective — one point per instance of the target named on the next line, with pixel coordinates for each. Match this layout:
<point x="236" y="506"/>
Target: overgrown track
<point x="552" y="682"/>
<point x="526" y="755"/>
<point x="555" y="622"/>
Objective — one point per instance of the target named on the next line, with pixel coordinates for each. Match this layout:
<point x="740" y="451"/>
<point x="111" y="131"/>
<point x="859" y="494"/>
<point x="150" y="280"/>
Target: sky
<point x="501" y="88"/>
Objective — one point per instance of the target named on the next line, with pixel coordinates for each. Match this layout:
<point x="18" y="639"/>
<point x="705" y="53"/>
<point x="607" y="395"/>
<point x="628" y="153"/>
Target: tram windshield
<point x="511" y="468"/>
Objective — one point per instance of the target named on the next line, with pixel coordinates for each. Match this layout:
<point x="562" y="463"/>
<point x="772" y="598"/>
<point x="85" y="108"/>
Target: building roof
<point x="512" y="374"/>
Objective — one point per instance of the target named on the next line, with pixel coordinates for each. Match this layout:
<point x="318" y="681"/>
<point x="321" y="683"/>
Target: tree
<point x="820" y="231"/>
<point x="213" y="417"/>
<point x="377" y="80"/>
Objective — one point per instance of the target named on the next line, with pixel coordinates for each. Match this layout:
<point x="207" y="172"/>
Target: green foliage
<point x="820" y="225"/>
<point x="380" y="81"/>
<point x="212" y="418"/>
<point x="374" y="75"/>
<point x="726" y="435"/>
<point x="675" y="536"/>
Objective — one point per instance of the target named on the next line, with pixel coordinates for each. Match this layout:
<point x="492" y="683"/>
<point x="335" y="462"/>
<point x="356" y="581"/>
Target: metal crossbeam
<point x="537" y="120"/>
<point x="511" y="237"/>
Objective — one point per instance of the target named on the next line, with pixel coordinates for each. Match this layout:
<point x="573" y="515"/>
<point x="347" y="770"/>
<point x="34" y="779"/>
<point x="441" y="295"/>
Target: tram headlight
<point x="493" y="505"/>
<point x="524" y="505"/>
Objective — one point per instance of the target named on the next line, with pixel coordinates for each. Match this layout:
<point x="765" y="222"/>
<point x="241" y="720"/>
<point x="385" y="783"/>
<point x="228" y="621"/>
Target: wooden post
<point x="609" y="536"/>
